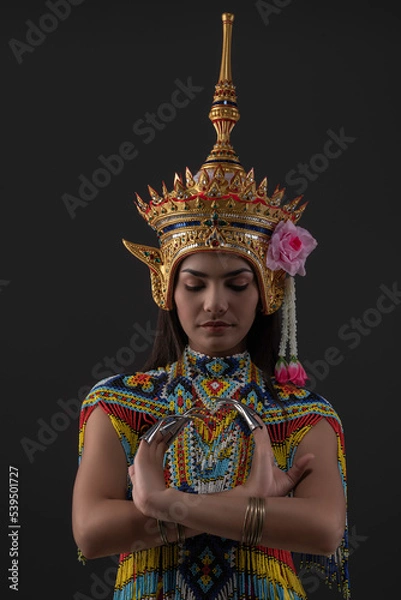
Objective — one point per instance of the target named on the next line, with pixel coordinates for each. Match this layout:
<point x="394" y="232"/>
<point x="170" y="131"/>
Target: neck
<point x="232" y="352"/>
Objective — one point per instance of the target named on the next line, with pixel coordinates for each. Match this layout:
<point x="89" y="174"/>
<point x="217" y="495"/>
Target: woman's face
<point x="216" y="296"/>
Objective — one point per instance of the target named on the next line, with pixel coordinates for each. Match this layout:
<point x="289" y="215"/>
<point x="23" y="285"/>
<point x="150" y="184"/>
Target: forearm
<point x="113" y="526"/>
<point x="294" y="524"/>
<point x="303" y="525"/>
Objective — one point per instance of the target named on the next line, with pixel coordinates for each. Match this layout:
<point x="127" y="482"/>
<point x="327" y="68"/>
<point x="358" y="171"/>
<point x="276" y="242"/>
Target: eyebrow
<point x="226" y="275"/>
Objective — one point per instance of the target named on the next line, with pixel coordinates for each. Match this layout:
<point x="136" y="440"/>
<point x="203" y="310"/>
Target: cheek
<point x="184" y="304"/>
<point x="178" y="301"/>
<point x="249" y="303"/>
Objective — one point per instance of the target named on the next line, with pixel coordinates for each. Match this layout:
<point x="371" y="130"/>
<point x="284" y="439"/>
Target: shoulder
<point x="299" y="401"/>
<point x="140" y="379"/>
<point x="125" y="389"/>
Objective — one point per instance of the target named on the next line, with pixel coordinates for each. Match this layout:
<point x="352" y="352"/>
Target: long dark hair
<point x="262" y="343"/>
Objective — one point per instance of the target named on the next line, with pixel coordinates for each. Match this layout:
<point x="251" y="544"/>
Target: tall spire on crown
<point x="224" y="113"/>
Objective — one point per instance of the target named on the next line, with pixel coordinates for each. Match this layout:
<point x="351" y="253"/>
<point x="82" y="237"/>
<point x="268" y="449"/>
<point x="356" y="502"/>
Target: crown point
<point x="291" y="206"/>
<point x="235" y="183"/>
<point x="154" y="195"/>
<point x="179" y="187"/>
<point x="262" y="189"/>
<point x="214" y="190"/>
<point x="164" y="190"/>
<point x="140" y="203"/>
<point x="278" y="194"/>
<point x="219" y="174"/>
<point x="177" y="178"/>
<point x="250" y="177"/>
<point x="189" y="178"/>
<point x="203" y="180"/>
<point x="249" y="192"/>
<point x="297" y="214"/>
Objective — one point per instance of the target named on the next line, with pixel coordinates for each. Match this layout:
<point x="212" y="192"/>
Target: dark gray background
<point x="71" y="295"/>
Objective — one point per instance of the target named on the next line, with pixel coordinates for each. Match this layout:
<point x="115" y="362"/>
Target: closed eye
<point x="238" y="288"/>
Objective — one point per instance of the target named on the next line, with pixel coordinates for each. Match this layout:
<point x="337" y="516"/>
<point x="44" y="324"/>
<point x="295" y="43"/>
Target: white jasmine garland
<point x="284" y="323"/>
<point x="291" y="316"/>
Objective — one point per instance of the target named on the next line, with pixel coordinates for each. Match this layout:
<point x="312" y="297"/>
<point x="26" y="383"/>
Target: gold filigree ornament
<point x="221" y="208"/>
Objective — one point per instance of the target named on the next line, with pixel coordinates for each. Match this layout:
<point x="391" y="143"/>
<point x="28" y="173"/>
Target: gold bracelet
<point x="245" y="526"/>
<point x="252" y="530"/>
<point x="260" y="521"/>
<point x="162" y="530"/>
<point x="180" y="533"/>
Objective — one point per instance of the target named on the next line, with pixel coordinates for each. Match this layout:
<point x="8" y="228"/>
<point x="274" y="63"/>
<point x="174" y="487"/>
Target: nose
<point x="215" y="302"/>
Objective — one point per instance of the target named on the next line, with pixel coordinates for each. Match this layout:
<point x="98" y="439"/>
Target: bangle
<point x="162" y="530"/>
<point x="180" y="533"/>
<point x="252" y="529"/>
<point x="163" y="533"/>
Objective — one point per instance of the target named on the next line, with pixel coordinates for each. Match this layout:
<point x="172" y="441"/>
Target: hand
<point x="147" y="476"/>
<point x="266" y="478"/>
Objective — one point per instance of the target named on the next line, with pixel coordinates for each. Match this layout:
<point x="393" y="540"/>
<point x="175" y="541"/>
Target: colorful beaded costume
<point x="210" y="455"/>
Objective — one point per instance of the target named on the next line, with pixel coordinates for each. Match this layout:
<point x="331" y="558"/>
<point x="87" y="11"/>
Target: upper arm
<point x="323" y="478"/>
<point x="102" y="473"/>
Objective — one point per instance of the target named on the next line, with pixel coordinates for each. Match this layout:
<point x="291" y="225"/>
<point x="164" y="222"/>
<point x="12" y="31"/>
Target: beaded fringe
<point x="154" y="571"/>
<point x="334" y="569"/>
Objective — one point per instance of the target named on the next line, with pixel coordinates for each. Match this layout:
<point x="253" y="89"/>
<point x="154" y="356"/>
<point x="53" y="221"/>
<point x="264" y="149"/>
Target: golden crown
<point x="221" y="208"/>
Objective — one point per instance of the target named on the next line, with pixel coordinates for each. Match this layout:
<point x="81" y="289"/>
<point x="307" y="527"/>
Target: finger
<point x="259" y="420"/>
<point x="162" y="436"/>
<point x="299" y="467"/>
<point x="146" y="443"/>
<point x="155" y="450"/>
<point x="263" y="445"/>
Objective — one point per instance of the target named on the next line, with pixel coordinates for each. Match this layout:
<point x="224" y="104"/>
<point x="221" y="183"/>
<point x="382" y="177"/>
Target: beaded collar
<point x="235" y="365"/>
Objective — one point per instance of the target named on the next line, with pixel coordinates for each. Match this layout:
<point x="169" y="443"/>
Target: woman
<point x="204" y="472"/>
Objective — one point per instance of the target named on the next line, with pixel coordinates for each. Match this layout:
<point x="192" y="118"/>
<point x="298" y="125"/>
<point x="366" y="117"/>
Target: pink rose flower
<point x="281" y="370"/>
<point x="296" y="372"/>
<point x="289" y="247"/>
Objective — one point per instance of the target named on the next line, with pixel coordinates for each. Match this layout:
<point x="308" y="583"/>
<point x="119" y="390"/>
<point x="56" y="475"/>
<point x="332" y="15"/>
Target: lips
<point x="215" y="324"/>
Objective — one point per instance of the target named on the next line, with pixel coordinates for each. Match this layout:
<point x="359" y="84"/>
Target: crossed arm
<point x="105" y="522"/>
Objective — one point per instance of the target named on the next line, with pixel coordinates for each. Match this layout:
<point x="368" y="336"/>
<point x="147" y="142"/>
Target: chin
<point x="218" y="346"/>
